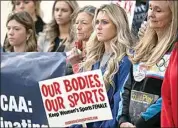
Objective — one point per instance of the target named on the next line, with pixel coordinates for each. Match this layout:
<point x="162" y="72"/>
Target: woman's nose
<point x="79" y="26"/>
<point x="10" y="32"/>
<point x="99" y="26"/>
<point x="21" y="5"/>
<point x="151" y="14"/>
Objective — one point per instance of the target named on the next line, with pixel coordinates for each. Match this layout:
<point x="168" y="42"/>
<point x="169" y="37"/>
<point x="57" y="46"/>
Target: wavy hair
<point x="120" y="44"/>
<point x="51" y="30"/>
<point x="149" y="50"/>
<point x="26" y="20"/>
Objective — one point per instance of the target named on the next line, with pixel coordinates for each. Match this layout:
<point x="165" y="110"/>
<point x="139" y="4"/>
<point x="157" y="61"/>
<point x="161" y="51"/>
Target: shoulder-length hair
<point x="120" y="44"/>
<point x="51" y="30"/>
<point x="149" y="50"/>
<point x="26" y="20"/>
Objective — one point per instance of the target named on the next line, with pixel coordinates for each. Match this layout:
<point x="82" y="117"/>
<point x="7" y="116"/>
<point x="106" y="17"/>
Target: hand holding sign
<point x="81" y="95"/>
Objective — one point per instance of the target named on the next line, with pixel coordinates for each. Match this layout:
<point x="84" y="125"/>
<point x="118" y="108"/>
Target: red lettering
<point x="48" y="105"/>
<point x="67" y="85"/>
<point x="86" y="97"/>
<point x="75" y="84"/>
<point x="57" y="88"/>
<point x="60" y="102"/>
<point x="76" y="98"/>
<point x="72" y="104"/>
<point x="100" y="91"/>
<point x="98" y="84"/>
<point x="125" y="5"/>
<point x="90" y="81"/>
<point x="81" y="82"/>
<point x="89" y="97"/>
<point x="130" y="7"/>
<point x="83" y="99"/>
<point x="44" y="90"/>
<point x="55" y="104"/>
<point x="51" y="89"/>
<point x="94" y="91"/>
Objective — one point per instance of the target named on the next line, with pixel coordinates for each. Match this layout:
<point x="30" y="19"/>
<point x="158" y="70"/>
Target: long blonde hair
<point x="119" y="44"/>
<point x="26" y="20"/>
<point x="51" y="30"/>
<point x="149" y="50"/>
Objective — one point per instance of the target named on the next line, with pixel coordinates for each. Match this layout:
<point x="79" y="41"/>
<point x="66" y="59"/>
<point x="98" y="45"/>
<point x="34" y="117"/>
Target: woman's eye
<point x="104" y="22"/>
<point x="64" y="10"/>
<point x="17" y="29"/>
<point x="17" y="3"/>
<point x="56" y="9"/>
<point x="26" y="1"/>
<point x="158" y="10"/>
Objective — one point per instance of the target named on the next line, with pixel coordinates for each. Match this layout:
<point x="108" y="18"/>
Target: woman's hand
<point x="127" y="125"/>
<point x="75" y="56"/>
<point x="142" y="29"/>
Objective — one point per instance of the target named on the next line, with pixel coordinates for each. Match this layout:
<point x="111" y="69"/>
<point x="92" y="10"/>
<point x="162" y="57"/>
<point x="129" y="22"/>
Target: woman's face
<point x="62" y="13"/>
<point x="25" y="5"/>
<point x="159" y="14"/>
<point x="105" y="28"/>
<point x="16" y="33"/>
<point x="84" y="26"/>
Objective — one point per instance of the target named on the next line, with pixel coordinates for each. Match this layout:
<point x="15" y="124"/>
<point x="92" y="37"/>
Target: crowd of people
<point x="100" y="38"/>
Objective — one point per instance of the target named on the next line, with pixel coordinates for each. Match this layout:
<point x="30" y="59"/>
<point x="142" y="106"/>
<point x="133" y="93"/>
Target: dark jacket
<point x="151" y="84"/>
<point x="39" y="24"/>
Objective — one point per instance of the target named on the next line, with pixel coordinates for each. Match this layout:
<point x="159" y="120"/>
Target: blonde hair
<point x="51" y="30"/>
<point x="26" y="20"/>
<point x="119" y="44"/>
<point x="37" y="6"/>
<point x="149" y="50"/>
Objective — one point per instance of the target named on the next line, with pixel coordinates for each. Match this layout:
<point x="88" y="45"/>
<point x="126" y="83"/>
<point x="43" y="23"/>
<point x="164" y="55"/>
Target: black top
<point x="39" y="24"/>
<point x="57" y="46"/>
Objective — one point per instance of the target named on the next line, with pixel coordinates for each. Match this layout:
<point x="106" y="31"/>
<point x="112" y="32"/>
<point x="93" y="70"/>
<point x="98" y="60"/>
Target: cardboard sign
<point x="129" y="6"/>
<point x="75" y="99"/>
